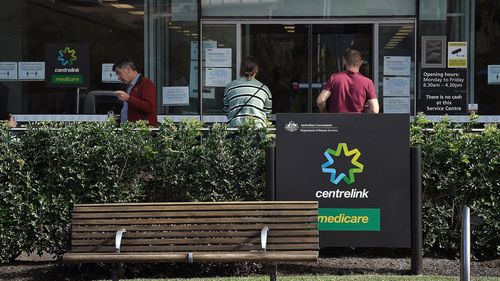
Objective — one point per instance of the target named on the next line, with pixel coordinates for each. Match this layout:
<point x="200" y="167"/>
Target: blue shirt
<point x="124" y="111"/>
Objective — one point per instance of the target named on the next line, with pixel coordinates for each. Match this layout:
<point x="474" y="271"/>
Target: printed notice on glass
<point x="219" y="57"/>
<point x="108" y="75"/>
<point x="457" y="54"/>
<point x="32" y="70"/>
<point x="396" y="105"/>
<point x="397" y="65"/>
<point x="493" y="74"/>
<point x="176" y="96"/>
<point x="206" y="44"/>
<point x="217" y="77"/>
<point x="397" y="86"/>
<point x="8" y="70"/>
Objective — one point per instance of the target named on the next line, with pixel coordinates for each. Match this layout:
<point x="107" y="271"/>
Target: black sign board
<point x="67" y="65"/>
<point x="357" y="166"/>
<point x="443" y="91"/>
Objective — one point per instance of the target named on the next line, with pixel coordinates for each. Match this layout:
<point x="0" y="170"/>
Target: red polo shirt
<point x="349" y="92"/>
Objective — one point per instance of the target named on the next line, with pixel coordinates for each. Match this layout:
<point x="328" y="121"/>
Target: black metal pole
<point x="416" y="210"/>
<point x="270" y="173"/>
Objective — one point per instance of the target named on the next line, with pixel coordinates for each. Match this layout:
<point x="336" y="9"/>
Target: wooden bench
<point x="267" y="231"/>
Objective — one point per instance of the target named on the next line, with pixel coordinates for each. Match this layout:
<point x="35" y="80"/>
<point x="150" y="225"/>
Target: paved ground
<point x="45" y="269"/>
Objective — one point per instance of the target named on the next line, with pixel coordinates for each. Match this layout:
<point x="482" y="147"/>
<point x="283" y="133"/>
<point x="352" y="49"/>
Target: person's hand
<point x="122" y="95"/>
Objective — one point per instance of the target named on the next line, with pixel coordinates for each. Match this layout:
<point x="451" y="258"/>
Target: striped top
<point x="240" y="91"/>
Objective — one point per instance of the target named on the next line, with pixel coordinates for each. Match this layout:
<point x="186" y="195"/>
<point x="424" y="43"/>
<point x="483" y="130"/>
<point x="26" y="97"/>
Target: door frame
<point x="375" y="22"/>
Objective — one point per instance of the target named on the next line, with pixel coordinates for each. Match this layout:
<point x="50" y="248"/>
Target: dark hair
<point x="124" y="62"/>
<point x="249" y="67"/>
<point x="352" y="57"/>
<point x="5" y="115"/>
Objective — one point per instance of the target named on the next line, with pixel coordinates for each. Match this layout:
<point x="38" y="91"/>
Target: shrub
<point x="461" y="167"/>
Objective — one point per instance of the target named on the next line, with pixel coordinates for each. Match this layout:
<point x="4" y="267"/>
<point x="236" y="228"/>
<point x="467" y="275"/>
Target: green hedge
<point x="54" y="165"/>
<point x="461" y="167"/>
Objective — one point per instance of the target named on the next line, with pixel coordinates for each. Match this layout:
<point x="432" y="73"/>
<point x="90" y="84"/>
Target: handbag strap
<point x="239" y="110"/>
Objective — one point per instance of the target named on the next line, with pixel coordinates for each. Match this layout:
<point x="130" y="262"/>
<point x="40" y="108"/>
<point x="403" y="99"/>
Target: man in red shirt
<point x="349" y="90"/>
<point x="139" y="101"/>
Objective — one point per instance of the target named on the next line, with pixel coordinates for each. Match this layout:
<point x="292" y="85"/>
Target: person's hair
<point x="124" y="62"/>
<point x="352" y="57"/>
<point x="249" y="67"/>
<point x="5" y="115"/>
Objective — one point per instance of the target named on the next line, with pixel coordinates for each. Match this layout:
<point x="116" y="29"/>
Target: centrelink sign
<point x="67" y="64"/>
<point x="357" y="166"/>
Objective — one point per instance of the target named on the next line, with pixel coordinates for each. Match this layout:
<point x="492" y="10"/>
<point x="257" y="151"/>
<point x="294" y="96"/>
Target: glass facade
<point x="439" y="59"/>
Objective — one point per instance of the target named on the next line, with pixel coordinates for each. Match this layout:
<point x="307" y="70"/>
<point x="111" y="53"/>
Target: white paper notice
<point x="397" y="86"/>
<point x="396" y="105"/>
<point x="176" y="95"/>
<point x="220" y="57"/>
<point x="217" y="77"/>
<point x="493" y="74"/>
<point x="31" y="70"/>
<point x="8" y="70"/>
<point x="398" y="65"/>
<point x="108" y="75"/>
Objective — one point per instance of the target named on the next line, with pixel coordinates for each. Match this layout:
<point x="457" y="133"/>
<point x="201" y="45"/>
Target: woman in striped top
<point x="247" y="97"/>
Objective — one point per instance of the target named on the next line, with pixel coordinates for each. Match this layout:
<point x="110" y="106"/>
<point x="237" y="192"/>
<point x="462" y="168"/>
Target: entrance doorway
<point x="296" y="58"/>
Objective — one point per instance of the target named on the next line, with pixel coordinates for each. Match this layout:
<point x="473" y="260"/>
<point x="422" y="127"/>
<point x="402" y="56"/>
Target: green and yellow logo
<point x="329" y="168"/>
<point x="67" y="56"/>
<point x="349" y="219"/>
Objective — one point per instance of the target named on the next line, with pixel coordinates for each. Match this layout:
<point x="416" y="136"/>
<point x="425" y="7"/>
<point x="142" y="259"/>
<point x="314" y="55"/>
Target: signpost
<point x="357" y="166"/>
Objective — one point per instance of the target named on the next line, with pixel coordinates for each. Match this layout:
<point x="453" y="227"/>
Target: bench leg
<point x="116" y="272"/>
<point x="272" y="268"/>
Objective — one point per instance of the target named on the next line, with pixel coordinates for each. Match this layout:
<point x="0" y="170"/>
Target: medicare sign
<point x="357" y="166"/>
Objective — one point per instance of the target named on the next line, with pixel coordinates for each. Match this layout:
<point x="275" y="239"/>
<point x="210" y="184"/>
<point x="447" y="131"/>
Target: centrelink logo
<point x="67" y="56"/>
<point x="329" y="168"/>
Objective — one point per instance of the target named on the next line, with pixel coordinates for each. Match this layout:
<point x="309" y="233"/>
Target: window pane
<point x="311" y="8"/>
<point x="28" y="27"/>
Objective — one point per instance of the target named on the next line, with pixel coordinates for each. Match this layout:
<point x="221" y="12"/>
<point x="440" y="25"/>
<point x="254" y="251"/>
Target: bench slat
<point x="194" y="248"/>
<point x="194" y="214"/>
<point x="285" y="256"/>
<point x="166" y="227"/>
<point x="193" y="234"/>
<point x="243" y="220"/>
<point x="197" y="241"/>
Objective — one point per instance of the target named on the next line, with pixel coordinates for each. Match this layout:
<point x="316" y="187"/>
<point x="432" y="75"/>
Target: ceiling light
<point x="288" y="27"/>
<point x="399" y="37"/>
<point x="122" y="6"/>
<point x="137" y="13"/>
<point x="403" y="33"/>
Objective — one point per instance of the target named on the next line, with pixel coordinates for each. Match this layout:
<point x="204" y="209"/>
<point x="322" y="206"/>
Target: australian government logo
<point x="292" y="127"/>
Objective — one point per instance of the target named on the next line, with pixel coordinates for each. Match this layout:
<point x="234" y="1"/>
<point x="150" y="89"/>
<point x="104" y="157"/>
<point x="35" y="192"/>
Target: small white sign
<point x="108" y="75"/>
<point x="457" y="54"/>
<point x="193" y="79"/>
<point x="8" y="70"/>
<point x="397" y="105"/>
<point x="396" y="86"/>
<point x="206" y="44"/>
<point x="217" y="77"/>
<point x="397" y="65"/>
<point x="220" y="57"/>
<point x="493" y="74"/>
<point x="32" y="70"/>
<point x="176" y="95"/>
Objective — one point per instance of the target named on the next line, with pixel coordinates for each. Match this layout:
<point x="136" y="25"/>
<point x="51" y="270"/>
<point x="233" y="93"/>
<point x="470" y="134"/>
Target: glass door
<point x="282" y="52"/>
<point x="329" y="42"/>
<point x="297" y="58"/>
